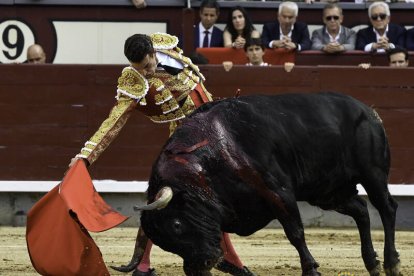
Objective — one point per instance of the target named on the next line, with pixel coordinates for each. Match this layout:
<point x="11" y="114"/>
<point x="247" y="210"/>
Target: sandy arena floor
<point x="267" y="252"/>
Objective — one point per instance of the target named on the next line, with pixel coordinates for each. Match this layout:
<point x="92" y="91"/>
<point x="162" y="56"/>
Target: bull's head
<point x="187" y="224"/>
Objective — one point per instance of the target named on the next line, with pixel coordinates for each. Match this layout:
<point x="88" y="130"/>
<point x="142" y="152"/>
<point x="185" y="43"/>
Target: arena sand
<point x="266" y="252"/>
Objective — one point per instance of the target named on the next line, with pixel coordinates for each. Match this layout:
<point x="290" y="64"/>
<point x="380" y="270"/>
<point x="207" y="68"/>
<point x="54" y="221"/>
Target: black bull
<point x="236" y="164"/>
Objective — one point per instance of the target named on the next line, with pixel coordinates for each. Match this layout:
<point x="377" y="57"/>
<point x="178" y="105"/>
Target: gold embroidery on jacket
<point x="132" y="84"/>
<point x="109" y="129"/>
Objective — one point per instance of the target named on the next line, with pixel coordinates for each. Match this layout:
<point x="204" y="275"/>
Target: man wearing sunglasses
<point x="381" y="35"/>
<point x="333" y="37"/>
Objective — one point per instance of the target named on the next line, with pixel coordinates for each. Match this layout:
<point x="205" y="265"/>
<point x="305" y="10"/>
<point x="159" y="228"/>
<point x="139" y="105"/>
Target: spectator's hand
<point x="333" y="47"/>
<point x="139" y="4"/>
<point x="364" y="65"/>
<point x="309" y="1"/>
<point x="289" y="66"/>
<point x="227" y="65"/>
<point x="278" y="44"/>
<point x="383" y="43"/>
<point x="290" y="45"/>
<point x="239" y="42"/>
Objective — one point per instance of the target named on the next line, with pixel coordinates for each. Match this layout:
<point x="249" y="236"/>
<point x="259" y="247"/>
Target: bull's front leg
<point x="283" y="204"/>
<point x="287" y="211"/>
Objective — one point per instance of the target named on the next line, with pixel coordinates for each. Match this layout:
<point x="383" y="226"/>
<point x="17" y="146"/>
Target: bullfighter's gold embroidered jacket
<point x="163" y="98"/>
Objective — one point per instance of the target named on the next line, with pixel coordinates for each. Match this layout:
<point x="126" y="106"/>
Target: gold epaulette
<point x="163" y="41"/>
<point x="132" y="84"/>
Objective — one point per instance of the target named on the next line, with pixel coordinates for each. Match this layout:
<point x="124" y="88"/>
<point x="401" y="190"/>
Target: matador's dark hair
<point x="137" y="47"/>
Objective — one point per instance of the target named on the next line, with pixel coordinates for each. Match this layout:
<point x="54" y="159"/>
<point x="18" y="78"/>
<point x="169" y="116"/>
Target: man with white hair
<point x="381" y="35"/>
<point x="286" y="32"/>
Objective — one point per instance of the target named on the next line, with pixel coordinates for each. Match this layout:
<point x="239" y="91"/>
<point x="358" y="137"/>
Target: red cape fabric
<point x="80" y="196"/>
<point x="57" y="243"/>
<point x="57" y="240"/>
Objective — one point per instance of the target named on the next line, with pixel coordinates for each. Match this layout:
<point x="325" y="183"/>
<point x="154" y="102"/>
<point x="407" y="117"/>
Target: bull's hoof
<point x="226" y="267"/>
<point x="376" y="271"/>
<point x="395" y="271"/>
<point x="312" y="273"/>
<point x="150" y="272"/>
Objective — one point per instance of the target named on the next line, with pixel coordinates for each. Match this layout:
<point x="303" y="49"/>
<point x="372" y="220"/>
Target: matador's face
<point x="147" y="66"/>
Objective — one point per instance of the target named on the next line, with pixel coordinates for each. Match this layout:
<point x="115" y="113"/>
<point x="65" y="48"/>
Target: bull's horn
<point x="162" y="198"/>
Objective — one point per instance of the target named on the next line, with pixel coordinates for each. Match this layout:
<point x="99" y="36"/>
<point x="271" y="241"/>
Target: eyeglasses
<point x="334" y="17"/>
<point x="381" y="16"/>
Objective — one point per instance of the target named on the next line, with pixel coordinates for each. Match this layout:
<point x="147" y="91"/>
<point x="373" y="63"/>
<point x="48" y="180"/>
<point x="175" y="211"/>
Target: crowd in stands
<point x="287" y="33"/>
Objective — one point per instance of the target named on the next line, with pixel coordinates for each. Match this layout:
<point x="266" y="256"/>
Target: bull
<point x="236" y="164"/>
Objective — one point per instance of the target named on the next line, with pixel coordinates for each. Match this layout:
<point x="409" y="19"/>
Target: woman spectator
<point x="239" y="28"/>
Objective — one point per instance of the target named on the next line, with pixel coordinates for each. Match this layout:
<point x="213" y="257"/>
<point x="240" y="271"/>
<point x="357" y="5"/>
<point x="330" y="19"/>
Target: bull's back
<point x="291" y="116"/>
<point x="312" y="138"/>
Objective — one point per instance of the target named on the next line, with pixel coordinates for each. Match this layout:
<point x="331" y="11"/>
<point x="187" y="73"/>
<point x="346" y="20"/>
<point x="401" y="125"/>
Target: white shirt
<point x="281" y="36"/>
<point x="336" y="38"/>
<point x="368" y="47"/>
<point x="201" y="34"/>
<point x="169" y="61"/>
<point x="261" y="64"/>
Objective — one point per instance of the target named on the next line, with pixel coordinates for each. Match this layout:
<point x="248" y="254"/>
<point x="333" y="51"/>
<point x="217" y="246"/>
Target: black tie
<point x="205" y="41"/>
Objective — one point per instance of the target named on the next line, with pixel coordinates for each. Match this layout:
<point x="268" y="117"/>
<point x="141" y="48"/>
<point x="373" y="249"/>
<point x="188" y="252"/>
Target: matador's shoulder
<point x="163" y="41"/>
<point x="132" y="84"/>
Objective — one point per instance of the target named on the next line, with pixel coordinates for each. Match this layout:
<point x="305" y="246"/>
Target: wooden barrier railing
<point x="49" y="111"/>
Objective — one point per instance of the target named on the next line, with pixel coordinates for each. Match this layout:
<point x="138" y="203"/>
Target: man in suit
<point x="286" y="32"/>
<point x="381" y="35"/>
<point x="409" y="44"/>
<point x="205" y="33"/>
<point x="333" y="37"/>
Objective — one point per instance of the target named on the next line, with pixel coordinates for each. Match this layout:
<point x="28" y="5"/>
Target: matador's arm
<point x="108" y="130"/>
<point x="132" y="89"/>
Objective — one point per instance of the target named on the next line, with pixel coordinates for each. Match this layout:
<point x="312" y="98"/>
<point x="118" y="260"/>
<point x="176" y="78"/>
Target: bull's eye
<point x="177" y="226"/>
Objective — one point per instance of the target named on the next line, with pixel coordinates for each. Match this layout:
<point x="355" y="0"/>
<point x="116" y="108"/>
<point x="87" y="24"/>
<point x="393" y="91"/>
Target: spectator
<point x="410" y="40"/>
<point x="381" y="35"/>
<point x="239" y="28"/>
<point x="205" y="33"/>
<point x="398" y="57"/>
<point x="36" y="54"/>
<point x="333" y="37"/>
<point x="286" y="32"/>
<point x="255" y="51"/>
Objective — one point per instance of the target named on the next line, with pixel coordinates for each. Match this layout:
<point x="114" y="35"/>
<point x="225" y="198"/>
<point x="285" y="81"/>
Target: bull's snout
<point x="200" y="265"/>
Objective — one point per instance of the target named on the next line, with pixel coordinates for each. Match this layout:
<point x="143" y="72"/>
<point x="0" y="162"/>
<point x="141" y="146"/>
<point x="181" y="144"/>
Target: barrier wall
<point x="48" y="111"/>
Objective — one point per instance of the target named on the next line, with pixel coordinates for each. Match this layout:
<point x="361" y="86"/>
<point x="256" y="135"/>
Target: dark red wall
<point x="48" y="111"/>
